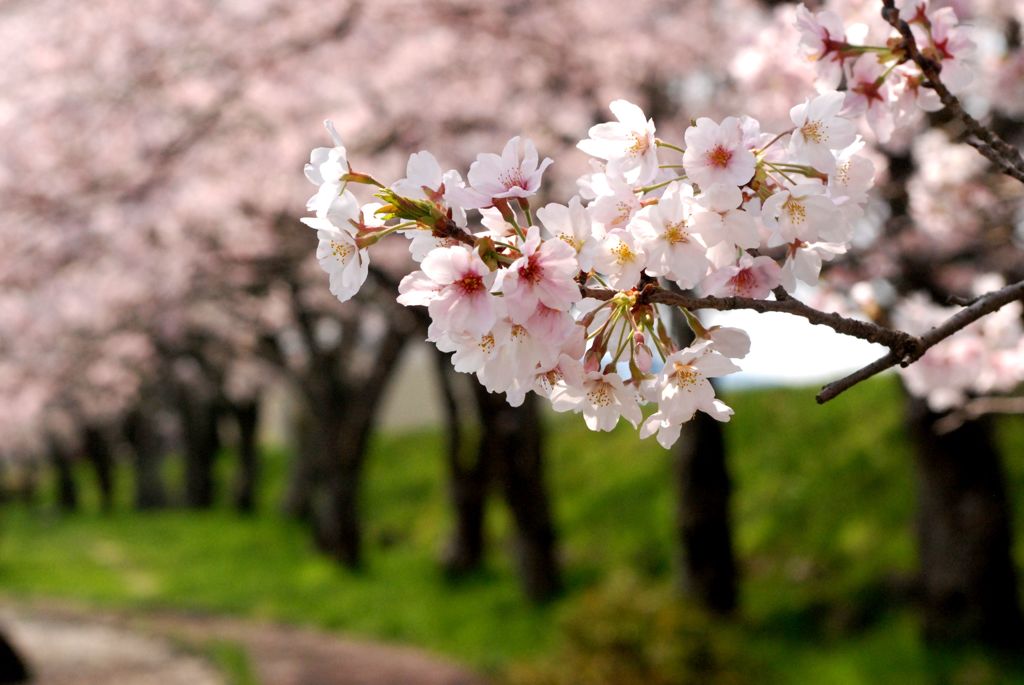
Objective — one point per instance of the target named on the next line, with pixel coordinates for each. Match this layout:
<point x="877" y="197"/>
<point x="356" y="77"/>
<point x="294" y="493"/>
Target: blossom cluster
<point x="986" y="357"/>
<point x="882" y="84"/>
<point x="554" y="300"/>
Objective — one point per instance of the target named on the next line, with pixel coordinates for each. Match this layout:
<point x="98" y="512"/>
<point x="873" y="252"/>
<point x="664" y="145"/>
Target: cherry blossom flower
<point x="471" y="352"/>
<point x="822" y="39"/>
<point x="556" y="329"/>
<point x="513" y="362"/>
<point x="683" y="388"/>
<point x="456" y="286"/>
<point x="544" y="273"/>
<point x="803" y="212"/>
<point x="601" y="397"/>
<point x="715" y="153"/>
<point x="723" y="220"/>
<point x="621" y="258"/>
<point x="422" y="242"/>
<point x="572" y="225"/>
<point x="912" y="97"/>
<point x="514" y="173"/>
<point x="497" y="228"/>
<point x="948" y="44"/>
<point x="984" y="358"/>
<point x="567" y="371"/>
<point x="803" y="262"/>
<point x="753" y="277"/>
<point x="664" y="233"/>
<point x="325" y="168"/>
<point x="868" y="93"/>
<point x="912" y="10"/>
<point x="854" y="175"/>
<point x="422" y="175"/>
<point x="820" y="130"/>
<point x="337" y="251"/>
<point x="615" y="204"/>
<point x="732" y="342"/>
<point x="627" y="144"/>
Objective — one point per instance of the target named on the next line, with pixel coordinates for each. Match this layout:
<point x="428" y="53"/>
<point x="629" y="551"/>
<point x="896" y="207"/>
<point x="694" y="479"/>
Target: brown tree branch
<point x="983" y="306"/>
<point x="1005" y="156"/>
<point x="904" y="348"/>
<point x="865" y="330"/>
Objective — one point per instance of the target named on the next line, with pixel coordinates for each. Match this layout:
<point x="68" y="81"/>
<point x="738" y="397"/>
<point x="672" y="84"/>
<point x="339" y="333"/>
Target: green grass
<point x="823" y="508"/>
<point x="231" y="659"/>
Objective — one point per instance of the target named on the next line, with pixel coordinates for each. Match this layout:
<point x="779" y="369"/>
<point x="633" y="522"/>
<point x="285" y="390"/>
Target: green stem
<point x="775" y="140"/>
<point x="661" y="143"/>
<point x="647" y="189"/>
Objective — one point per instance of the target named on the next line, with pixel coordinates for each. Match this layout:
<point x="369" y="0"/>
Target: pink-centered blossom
<point x="868" y="94"/>
<point x="715" y="153"/>
<point x="822" y="39"/>
<point x="949" y="44"/>
<point x="455" y="283"/>
<point x="753" y="277"/>
<point x="543" y="274"/>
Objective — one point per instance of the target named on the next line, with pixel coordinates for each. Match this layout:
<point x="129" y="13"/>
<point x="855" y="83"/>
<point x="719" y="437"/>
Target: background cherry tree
<point x="155" y="275"/>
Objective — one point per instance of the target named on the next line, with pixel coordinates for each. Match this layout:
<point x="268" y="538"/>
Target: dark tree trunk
<point x="29" y="487"/>
<point x="512" y="440"/>
<point x="12" y="668"/>
<point x="706" y="559"/>
<point x="704" y="527"/>
<point x="67" y="487"/>
<point x="468" y="478"/>
<point x="968" y="580"/>
<point x="306" y="467"/>
<point x="339" y="530"/>
<point x="247" y="418"/>
<point x="202" y="442"/>
<point x="98" y="452"/>
<point x="150" y="492"/>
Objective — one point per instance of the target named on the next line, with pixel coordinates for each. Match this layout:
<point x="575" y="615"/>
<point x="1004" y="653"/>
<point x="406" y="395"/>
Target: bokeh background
<point x="192" y="428"/>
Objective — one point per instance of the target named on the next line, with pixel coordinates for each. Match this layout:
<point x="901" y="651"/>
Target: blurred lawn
<point x="823" y="509"/>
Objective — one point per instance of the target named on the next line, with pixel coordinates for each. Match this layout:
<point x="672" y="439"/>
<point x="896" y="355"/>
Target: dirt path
<point x="70" y="651"/>
<point x="68" y="646"/>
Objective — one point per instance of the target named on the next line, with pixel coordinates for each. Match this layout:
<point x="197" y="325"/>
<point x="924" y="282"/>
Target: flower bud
<point x="592" y="359"/>
<point x="643" y="357"/>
